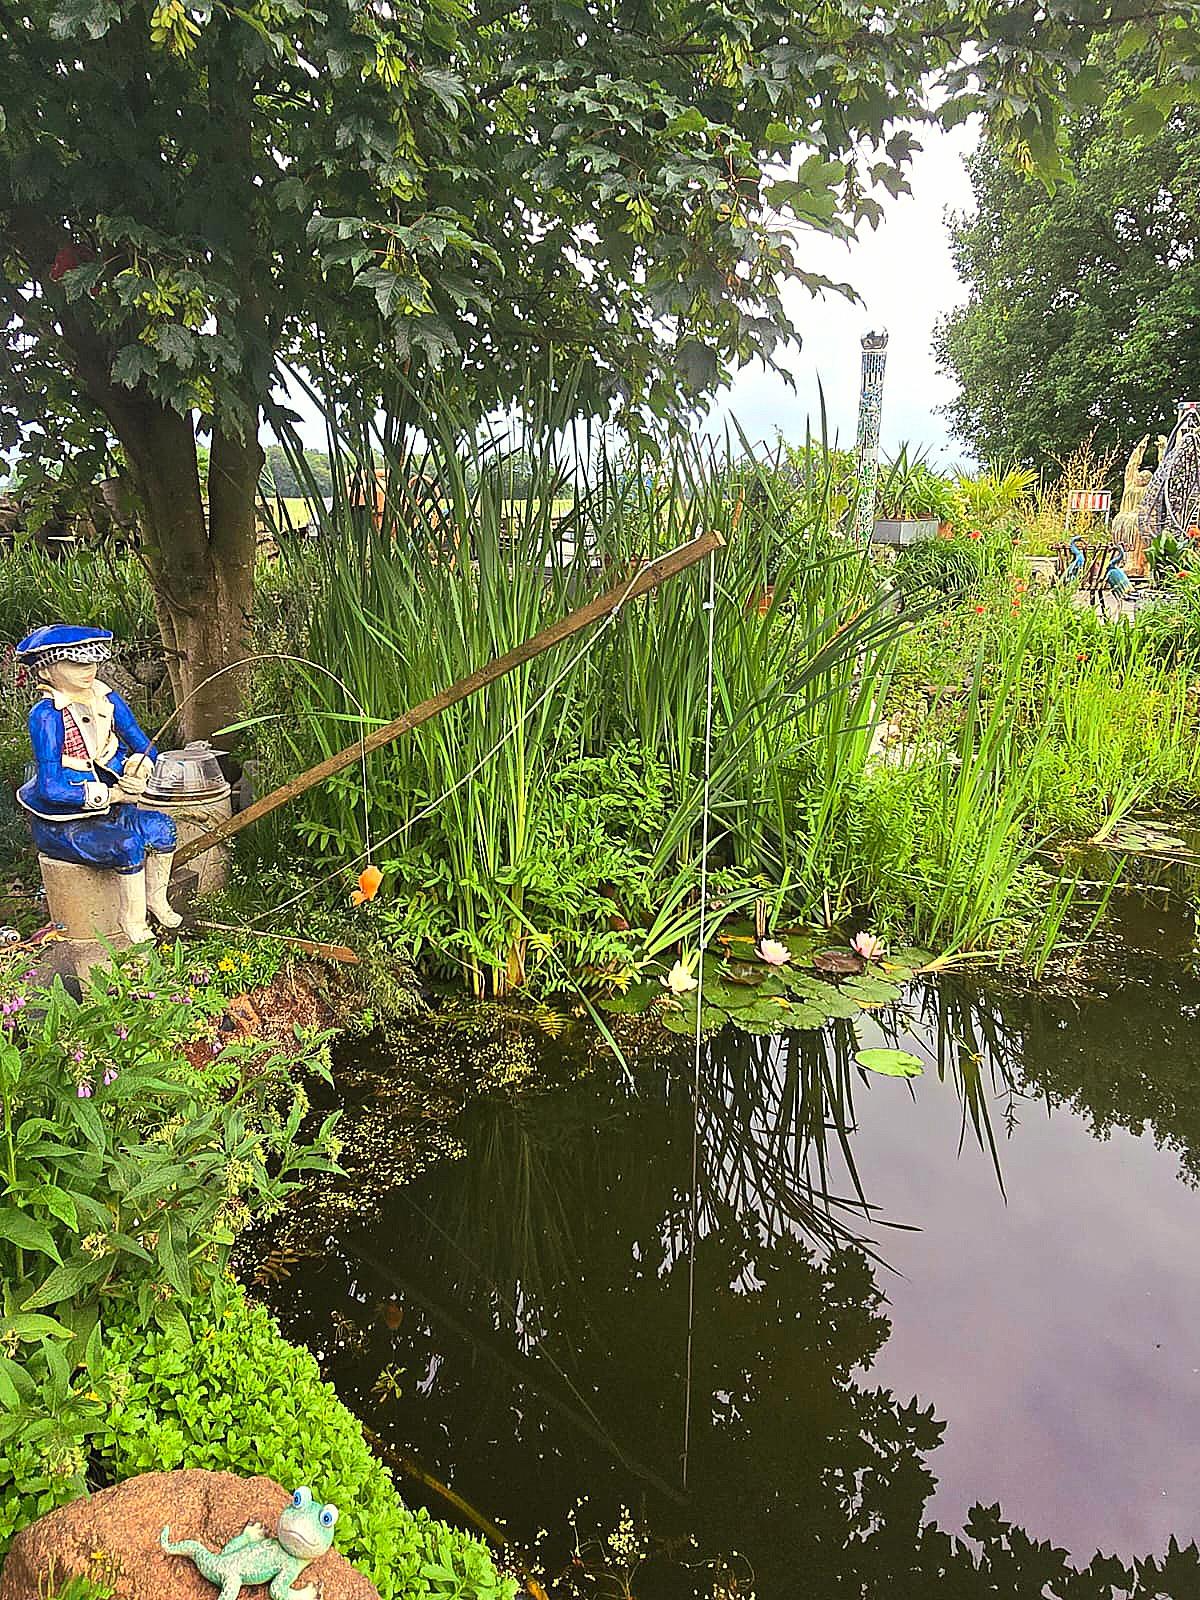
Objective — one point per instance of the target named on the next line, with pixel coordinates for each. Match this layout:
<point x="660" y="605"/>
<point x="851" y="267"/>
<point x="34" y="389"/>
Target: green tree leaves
<point x="1082" y="307"/>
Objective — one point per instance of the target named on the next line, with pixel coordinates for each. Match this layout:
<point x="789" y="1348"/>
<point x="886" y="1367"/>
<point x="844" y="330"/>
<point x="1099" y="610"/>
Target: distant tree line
<point x="279" y="476"/>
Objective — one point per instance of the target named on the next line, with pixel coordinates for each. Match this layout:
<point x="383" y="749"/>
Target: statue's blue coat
<point x="62" y="826"/>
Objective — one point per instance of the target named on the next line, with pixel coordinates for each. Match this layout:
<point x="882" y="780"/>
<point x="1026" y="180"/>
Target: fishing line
<point x="694" y="1206"/>
<point x="303" y="661"/>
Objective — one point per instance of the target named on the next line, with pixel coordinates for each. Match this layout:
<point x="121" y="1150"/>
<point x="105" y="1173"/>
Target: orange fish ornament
<point x="369" y="880"/>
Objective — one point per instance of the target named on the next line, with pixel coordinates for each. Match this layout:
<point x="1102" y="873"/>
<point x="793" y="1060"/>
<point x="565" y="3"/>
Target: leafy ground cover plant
<point x="234" y="1395"/>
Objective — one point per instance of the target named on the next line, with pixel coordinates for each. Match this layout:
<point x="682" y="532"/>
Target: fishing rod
<point x="650" y="577"/>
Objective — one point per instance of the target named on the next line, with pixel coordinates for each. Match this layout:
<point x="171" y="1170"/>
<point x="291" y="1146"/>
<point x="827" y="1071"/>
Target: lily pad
<point x="911" y="957"/>
<point x="750" y="1025"/>
<point x="684" y="1021"/>
<point x="636" y="998"/>
<point x="838" y="963"/>
<point x="800" y="1017"/>
<point x="871" y="991"/>
<point x="837" y="1004"/>
<point x="802" y="985"/>
<point x="891" y="1063"/>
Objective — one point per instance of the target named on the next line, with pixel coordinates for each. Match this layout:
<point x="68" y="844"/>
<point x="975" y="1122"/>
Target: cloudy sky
<point x="906" y="279"/>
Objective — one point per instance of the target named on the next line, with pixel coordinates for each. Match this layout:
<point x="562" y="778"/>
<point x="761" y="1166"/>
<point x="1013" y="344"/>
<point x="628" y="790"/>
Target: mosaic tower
<point x="870" y="409"/>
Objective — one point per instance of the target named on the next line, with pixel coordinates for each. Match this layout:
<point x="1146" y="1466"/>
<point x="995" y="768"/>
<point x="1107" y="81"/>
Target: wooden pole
<point x="650" y="577"/>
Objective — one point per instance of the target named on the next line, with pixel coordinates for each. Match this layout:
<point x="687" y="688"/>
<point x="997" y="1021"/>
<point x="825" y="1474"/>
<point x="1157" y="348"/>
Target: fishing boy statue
<point x="93" y="763"/>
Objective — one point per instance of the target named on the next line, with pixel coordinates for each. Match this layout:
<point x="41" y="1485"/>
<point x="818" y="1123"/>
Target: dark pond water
<point x="904" y="1301"/>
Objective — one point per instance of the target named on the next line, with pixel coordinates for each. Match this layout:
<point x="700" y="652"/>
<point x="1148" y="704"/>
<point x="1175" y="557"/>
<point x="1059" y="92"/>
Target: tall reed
<point x="585" y="765"/>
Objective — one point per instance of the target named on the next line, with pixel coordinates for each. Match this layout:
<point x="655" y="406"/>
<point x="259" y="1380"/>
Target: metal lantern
<point x="190" y="787"/>
<point x="191" y="774"/>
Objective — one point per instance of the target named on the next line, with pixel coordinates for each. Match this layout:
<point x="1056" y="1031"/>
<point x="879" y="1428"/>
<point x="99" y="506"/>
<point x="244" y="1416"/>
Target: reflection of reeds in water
<point x="777" y="1116"/>
<point x="776" y="1122"/>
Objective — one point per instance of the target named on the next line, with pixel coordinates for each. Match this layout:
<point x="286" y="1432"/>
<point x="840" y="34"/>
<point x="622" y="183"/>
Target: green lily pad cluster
<point x="743" y="990"/>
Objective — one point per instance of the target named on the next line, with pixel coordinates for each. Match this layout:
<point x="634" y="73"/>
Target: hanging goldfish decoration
<point x="369" y="880"/>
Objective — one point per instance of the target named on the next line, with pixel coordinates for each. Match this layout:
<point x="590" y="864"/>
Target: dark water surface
<point x="1018" y="1324"/>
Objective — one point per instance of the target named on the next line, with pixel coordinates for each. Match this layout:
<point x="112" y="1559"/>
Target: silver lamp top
<point x="193" y="773"/>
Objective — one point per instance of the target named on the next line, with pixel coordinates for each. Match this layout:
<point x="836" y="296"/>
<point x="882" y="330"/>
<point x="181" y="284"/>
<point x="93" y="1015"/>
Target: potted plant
<point x="912" y="500"/>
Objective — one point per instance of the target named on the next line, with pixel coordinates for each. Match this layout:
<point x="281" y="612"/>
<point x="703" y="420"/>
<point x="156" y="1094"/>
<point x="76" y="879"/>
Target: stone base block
<point x="82" y="900"/>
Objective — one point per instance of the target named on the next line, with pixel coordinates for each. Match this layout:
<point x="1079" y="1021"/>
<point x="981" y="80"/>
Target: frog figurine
<point x="305" y="1532"/>
<point x="92" y="765"/>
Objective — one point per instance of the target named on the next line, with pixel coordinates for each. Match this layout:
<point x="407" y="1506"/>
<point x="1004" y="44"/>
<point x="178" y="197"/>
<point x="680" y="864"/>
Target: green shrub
<point x="125" y="1176"/>
<point x="240" y="1398"/>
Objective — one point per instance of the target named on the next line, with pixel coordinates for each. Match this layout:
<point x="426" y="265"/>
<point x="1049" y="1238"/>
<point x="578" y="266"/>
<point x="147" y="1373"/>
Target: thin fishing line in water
<point x="694" y="1200"/>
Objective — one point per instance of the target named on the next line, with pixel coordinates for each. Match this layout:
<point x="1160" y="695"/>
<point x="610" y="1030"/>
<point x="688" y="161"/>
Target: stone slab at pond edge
<point x="114" y="1535"/>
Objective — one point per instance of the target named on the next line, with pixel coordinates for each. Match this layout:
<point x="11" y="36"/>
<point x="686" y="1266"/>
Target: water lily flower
<point x="680" y="978"/>
<point x="868" y="946"/>
<point x="369" y="880"/>
<point x="774" y="952"/>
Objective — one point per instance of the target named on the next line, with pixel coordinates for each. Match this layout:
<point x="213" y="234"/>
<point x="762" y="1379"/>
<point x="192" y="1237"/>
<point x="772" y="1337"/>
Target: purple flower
<point x="84" y="1091"/>
<point x="29" y="976"/>
<point x="77" y="1055"/>
<point x="122" y="1033"/>
<point x="110" y="1076"/>
<point x="152" y="994"/>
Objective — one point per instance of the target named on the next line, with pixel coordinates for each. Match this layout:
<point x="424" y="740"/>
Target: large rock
<point x="116" y="1533"/>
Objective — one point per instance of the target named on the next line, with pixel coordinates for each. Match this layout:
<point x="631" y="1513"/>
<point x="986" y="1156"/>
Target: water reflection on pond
<point x="1029" y="1276"/>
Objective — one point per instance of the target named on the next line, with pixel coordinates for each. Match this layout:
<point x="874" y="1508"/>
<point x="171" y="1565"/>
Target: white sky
<point x="906" y="279"/>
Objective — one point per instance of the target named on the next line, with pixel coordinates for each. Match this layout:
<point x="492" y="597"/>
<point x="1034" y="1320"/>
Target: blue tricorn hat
<point x="64" y="641"/>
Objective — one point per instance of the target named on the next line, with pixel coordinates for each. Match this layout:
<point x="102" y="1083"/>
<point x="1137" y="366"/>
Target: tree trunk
<point x="202" y="568"/>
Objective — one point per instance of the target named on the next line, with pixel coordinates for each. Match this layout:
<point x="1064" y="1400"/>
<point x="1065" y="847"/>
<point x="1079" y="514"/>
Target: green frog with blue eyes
<point x="254" y="1556"/>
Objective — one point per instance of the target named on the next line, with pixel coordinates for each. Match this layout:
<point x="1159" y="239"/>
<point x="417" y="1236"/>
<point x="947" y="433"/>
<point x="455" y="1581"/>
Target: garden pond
<point x="930" y="1332"/>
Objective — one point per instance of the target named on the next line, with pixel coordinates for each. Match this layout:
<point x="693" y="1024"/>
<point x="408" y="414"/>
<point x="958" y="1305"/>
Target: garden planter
<point x="903" y="530"/>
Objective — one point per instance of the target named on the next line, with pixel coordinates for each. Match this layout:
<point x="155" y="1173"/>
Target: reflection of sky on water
<point x="1058" y="1333"/>
<point x="543" y="1284"/>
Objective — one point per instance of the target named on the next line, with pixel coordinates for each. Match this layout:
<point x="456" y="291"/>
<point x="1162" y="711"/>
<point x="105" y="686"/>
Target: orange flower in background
<point x="369" y="880"/>
<point x="975" y="534"/>
<point x="980" y="610"/>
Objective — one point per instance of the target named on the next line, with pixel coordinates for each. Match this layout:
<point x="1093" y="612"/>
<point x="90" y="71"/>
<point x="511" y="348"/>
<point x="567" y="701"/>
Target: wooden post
<point x="650" y="577"/>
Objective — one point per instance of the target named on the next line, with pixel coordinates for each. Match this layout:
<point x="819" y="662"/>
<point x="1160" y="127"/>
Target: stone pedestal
<point x="84" y="902"/>
<point x="193" y="818"/>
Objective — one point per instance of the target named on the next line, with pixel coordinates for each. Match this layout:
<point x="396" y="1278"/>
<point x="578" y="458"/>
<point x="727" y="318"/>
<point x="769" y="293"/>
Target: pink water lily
<point x="868" y="946"/>
<point x="774" y="952"/>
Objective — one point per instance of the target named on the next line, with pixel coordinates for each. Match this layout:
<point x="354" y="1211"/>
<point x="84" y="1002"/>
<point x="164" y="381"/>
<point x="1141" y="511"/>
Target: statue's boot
<point x="131" y="909"/>
<point x="158" y="876"/>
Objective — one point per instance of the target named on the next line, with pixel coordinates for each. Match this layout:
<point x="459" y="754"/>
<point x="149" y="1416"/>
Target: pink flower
<point x="774" y="952"/>
<point x="110" y="1076"/>
<point x="122" y="1033"/>
<point x="84" y="1091"/>
<point x="868" y="946"/>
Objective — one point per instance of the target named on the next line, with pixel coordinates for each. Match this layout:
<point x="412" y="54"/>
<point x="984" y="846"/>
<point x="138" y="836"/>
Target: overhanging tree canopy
<point x="187" y="191"/>
<point x="1084" y="312"/>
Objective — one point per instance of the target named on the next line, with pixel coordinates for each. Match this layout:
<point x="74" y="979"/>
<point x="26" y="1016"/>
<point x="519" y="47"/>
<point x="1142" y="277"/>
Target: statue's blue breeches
<point x="119" y="839"/>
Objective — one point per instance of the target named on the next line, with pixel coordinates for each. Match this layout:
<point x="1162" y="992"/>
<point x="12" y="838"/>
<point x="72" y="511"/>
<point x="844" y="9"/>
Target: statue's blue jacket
<point x="66" y="786"/>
